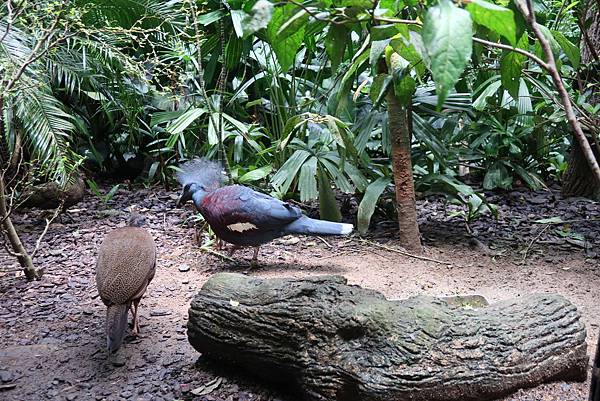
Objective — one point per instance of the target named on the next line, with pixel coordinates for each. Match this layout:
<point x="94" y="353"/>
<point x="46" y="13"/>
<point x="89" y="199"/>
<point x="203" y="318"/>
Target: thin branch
<point x="329" y="20"/>
<point x="36" y="54"/>
<point x="534" y="240"/>
<point x="215" y="253"/>
<point x="9" y="19"/>
<point x="398" y="21"/>
<point x="531" y="56"/>
<point x="48" y="222"/>
<point x="411" y="255"/>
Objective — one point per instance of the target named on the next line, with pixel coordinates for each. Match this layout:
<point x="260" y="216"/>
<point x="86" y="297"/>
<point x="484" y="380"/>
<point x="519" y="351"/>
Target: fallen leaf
<point x="208" y="388"/>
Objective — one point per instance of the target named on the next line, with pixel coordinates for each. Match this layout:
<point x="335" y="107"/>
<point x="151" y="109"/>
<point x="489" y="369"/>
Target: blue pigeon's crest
<point x="203" y="172"/>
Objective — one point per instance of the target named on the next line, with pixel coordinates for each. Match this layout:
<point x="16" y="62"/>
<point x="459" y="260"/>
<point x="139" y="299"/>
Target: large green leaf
<point x="184" y="120"/>
<point x="497" y="176"/>
<point x="550" y="38"/>
<point x="255" y="175"/>
<point x="490" y="90"/>
<point x="383" y="32"/>
<point x="524" y="106"/>
<point x="369" y="201"/>
<point x="347" y="80"/>
<point x="379" y="87"/>
<point x="377" y="49"/>
<point x="496" y="18"/>
<point x="285" y="49"/>
<point x="307" y="182"/>
<point x="335" y="44"/>
<point x="447" y="35"/>
<point x="571" y="50"/>
<point x="328" y="208"/>
<point x="408" y="51"/>
<point x="511" y="65"/>
<point x="282" y="180"/>
<point x="292" y="25"/>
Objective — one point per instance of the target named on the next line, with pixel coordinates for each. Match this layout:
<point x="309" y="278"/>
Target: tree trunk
<point x="330" y="341"/>
<point x="578" y="179"/>
<point x="31" y="273"/>
<point x="400" y="125"/>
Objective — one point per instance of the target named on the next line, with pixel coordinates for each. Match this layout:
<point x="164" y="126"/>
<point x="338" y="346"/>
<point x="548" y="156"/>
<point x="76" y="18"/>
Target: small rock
<point x="159" y="312"/>
<point x="184" y="267"/>
<point x="117" y="361"/>
<point x="71" y="397"/>
<point x="289" y="241"/>
<point x="5" y="376"/>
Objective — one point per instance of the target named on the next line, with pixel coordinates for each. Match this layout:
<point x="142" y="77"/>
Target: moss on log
<point x="332" y="341"/>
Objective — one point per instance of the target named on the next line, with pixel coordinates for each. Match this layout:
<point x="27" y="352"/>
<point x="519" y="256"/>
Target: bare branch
<point x="9" y="19"/>
<point x="36" y="54"/>
<point x="397" y="21"/>
<point x="48" y="222"/>
<point x="529" y="55"/>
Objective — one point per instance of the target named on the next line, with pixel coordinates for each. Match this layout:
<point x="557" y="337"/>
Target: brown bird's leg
<point x="219" y="244"/>
<point x="136" y="320"/>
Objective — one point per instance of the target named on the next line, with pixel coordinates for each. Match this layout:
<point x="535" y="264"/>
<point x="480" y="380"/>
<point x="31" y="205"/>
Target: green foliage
<point x="369" y="201"/>
<point x="447" y="32"/>
<point x="294" y="96"/>
<point x="105" y="198"/>
<point x="496" y="18"/>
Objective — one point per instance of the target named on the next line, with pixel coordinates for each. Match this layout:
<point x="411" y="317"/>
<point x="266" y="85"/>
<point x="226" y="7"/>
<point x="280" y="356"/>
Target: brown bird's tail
<point x="116" y="323"/>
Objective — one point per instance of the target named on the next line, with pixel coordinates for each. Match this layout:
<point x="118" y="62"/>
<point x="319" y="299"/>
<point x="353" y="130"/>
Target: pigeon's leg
<point x="233" y="249"/>
<point x="254" y="260"/>
<point x="136" y="319"/>
<point x="219" y="244"/>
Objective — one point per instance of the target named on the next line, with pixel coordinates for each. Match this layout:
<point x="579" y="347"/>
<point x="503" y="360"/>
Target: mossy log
<point x="50" y="195"/>
<point x="331" y="341"/>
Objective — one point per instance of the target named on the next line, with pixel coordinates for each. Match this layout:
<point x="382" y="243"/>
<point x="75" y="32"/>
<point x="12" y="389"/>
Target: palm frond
<point x="47" y="128"/>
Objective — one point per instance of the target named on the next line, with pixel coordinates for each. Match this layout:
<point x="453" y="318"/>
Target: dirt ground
<point x="52" y="331"/>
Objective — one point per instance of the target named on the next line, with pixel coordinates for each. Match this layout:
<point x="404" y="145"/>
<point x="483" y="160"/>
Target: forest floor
<point x="52" y="342"/>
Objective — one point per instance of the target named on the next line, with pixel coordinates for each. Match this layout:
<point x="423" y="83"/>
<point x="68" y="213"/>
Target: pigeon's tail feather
<point x="306" y="225"/>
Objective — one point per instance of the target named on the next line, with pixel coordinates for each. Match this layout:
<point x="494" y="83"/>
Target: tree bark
<point x="578" y="180"/>
<point x="400" y="125"/>
<point x="331" y="341"/>
<point x="31" y="272"/>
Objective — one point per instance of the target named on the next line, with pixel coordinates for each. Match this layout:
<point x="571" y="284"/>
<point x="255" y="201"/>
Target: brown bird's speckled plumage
<point x="126" y="265"/>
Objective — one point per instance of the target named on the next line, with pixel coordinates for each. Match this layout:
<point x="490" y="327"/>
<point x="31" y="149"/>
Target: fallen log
<point x="331" y="341"/>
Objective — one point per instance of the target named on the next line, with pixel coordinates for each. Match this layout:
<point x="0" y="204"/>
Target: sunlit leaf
<point x="255" y="175"/>
<point x="496" y="18"/>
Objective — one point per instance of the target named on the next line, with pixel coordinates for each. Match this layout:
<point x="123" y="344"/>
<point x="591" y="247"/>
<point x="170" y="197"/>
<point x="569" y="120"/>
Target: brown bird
<point x="126" y="265"/>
